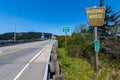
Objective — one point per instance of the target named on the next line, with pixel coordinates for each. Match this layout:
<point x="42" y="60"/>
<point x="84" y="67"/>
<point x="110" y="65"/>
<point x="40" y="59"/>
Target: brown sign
<point x="95" y="16"/>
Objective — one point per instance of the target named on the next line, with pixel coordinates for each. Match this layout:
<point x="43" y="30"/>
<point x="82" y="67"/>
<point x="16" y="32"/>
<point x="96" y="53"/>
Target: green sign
<point x="96" y="44"/>
<point x="66" y="29"/>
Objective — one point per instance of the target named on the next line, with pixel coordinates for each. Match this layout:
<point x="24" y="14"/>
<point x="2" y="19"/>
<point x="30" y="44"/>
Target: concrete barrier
<point x="54" y="65"/>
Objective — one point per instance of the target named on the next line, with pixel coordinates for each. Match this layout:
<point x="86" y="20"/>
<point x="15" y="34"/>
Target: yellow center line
<point x="13" y="51"/>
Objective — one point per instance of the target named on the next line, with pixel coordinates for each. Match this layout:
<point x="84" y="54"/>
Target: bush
<point x="80" y="69"/>
<point x="79" y="44"/>
<point x="61" y="41"/>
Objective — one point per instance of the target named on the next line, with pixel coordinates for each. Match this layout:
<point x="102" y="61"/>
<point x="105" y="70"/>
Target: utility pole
<point x="15" y="27"/>
<point x="15" y="30"/>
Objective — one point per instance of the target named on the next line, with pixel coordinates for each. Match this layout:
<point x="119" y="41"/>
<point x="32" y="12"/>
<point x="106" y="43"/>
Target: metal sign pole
<point x="66" y="29"/>
<point x="66" y="39"/>
<point x="96" y="53"/>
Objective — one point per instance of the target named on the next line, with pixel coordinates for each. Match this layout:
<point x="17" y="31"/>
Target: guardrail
<point x="11" y="42"/>
<point x="52" y="71"/>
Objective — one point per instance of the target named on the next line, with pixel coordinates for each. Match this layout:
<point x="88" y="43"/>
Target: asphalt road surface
<point x="16" y="62"/>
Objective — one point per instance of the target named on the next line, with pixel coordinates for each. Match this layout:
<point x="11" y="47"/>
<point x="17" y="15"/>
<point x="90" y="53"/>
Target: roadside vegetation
<point x="80" y="69"/>
<point x="77" y="58"/>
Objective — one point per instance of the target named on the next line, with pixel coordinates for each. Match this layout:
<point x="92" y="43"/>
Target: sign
<point x="96" y="44"/>
<point x="95" y="16"/>
<point x="66" y="29"/>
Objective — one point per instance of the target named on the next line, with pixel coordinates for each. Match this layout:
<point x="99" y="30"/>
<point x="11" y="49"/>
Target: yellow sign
<point x="95" y="16"/>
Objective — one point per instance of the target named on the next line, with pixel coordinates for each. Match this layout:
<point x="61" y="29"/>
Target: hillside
<point x="25" y="36"/>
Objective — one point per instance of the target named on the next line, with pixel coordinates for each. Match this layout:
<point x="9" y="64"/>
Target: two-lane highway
<point x="14" y="59"/>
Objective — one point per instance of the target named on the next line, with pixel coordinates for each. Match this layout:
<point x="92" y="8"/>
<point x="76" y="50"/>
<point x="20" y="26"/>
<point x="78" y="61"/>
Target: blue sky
<point x="46" y="15"/>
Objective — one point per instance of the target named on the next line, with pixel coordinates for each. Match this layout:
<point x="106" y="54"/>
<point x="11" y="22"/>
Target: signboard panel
<point x="66" y="29"/>
<point x="95" y="16"/>
<point x="96" y="43"/>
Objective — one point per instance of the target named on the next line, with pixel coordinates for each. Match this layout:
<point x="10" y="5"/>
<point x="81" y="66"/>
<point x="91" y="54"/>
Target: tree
<point x="111" y="21"/>
<point x="61" y="41"/>
<point x="110" y="29"/>
<point x="80" y="42"/>
<point x="101" y="3"/>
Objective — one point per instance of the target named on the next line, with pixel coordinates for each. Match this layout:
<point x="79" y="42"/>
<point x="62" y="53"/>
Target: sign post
<point x="96" y="52"/>
<point x="66" y="29"/>
<point x="96" y="18"/>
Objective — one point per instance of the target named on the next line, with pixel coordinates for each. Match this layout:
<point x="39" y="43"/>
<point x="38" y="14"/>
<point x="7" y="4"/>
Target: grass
<point x="80" y="69"/>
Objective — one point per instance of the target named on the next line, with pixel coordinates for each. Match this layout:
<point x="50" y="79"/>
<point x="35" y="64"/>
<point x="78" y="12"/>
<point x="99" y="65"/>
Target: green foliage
<point x="111" y="22"/>
<point x="104" y="74"/>
<point x="24" y="36"/>
<point x="102" y="56"/>
<point x="6" y="36"/>
<point x="80" y="43"/>
<point x="80" y="69"/>
<point x="61" y="41"/>
<point x="74" y="68"/>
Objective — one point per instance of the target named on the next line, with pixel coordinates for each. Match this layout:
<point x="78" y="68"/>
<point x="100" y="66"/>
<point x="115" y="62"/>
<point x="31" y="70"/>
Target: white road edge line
<point x="19" y="74"/>
<point x="46" y="68"/>
<point x="47" y="63"/>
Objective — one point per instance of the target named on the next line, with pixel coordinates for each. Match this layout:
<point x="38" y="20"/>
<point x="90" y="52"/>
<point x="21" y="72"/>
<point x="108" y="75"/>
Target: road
<point x="24" y="61"/>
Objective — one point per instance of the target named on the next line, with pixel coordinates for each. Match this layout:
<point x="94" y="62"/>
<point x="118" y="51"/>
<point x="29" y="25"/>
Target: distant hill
<point x="25" y="36"/>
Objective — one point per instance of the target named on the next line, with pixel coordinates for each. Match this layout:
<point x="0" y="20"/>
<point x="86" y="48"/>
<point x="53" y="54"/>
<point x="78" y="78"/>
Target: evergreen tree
<point x="111" y="22"/>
